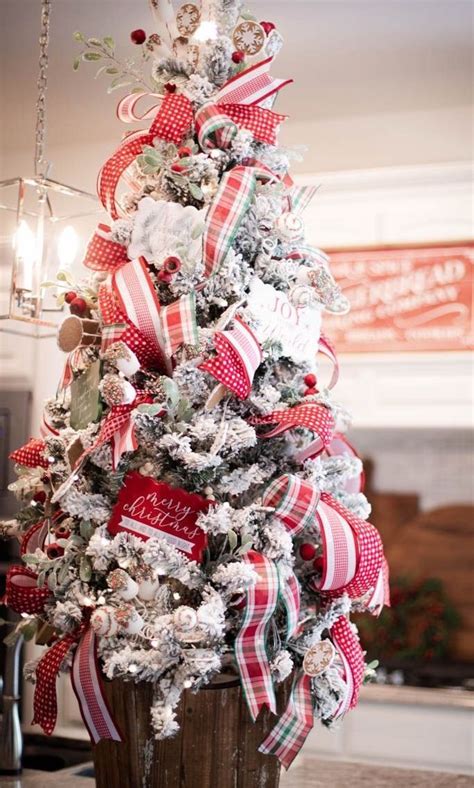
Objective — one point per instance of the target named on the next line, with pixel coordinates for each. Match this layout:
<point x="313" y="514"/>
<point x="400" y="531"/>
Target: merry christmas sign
<point x="404" y="299"/>
<point x="146" y="508"/>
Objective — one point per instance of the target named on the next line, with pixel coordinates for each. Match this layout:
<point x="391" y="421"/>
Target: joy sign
<point x="146" y="508"/>
<point x="296" y="328"/>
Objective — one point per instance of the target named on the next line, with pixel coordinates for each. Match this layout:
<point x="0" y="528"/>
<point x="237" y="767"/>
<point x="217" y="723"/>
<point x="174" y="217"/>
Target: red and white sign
<point x="146" y="508"/>
<point x="404" y="299"/>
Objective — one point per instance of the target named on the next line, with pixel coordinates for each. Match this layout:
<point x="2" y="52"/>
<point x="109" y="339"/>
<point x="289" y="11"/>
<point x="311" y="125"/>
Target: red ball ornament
<point x="268" y="27"/>
<point x="61" y="532"/>
<point x="40" y="496"/>
<point x="307" y="551"/>
<point x="138" y="36"/>
<point x="237" y="56"/>
<point x="172" y="265"/>
<point x="318" y="563"/>
<point x="184" y="151"/>
<point x="54" y="551"/>
<point x="310" y="379"/>
<point x="70" y="296"/>
<point x="176" y="167"/>
<point x="78" y="307"/>
<point x="310" y="392"/>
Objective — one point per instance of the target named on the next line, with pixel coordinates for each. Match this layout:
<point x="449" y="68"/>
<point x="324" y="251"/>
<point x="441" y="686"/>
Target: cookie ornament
<point x="318" y="658"/>
<point x="248" y="37"/>
<point x="187" y="19"/>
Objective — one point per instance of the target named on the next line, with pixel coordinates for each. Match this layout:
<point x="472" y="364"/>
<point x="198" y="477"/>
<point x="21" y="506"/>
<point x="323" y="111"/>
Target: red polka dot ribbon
<point x="22" y="592"/>
<point x="31" y="455"/>
<point x="104" y="254"/>
<point x="238" y="357"/>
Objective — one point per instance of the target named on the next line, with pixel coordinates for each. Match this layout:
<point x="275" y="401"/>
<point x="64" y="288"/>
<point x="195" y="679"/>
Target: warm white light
<point x="24" y="243"/>
<point x="68" y="244"/>
<point x="207" y="31"/>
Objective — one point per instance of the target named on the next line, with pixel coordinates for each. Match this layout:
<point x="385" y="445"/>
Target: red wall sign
<point x="148" y="508"/>
<point x="404" y="299"/>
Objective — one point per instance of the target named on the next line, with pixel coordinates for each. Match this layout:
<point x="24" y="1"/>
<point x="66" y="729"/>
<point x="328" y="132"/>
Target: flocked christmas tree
<point x="192" y="506"/>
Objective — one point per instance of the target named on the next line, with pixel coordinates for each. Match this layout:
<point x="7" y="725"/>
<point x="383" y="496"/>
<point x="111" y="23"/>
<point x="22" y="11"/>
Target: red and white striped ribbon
<point x="46" y="428"/>
<point x="381" y="595"/>
<point x="238" y="357"/>
<point x="250" y="649"/>
<point x="327" y="349"/>
<point x="287" y="737"/>
<point x="339" y="549"/>
<point x="138" y="300"/>
<point x="295" y="502"/>
<point x="126" y="109"/>
<point x="87" y="685"/>
<point x="350" y="652"/>
<point x="251" y="86"/>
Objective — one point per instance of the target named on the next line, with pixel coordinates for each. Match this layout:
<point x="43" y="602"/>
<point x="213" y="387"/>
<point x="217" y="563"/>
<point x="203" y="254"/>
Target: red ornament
<point x="177" y="167"/>
<point x="310" y="392"/>
<point x="40" y="496"/>
<point x="307" y="551"/>
<point x="318" y="563"/>
<point x="138" y="36"/>
<point x="310" y="379"/>
<point x="70" y="296"/>
<point x="147" y="508"/>
<point x="165" y="276"/>
<point x="237" y="56"/>
<point x="268" y="27"/>
<point x="170" y="87"/>
<point x="54" y="550"/>
<point x="78" y="307"/>
<point x="184" y="151"/>
<point x="172" y="265"/>
<point x="61" y="532"/>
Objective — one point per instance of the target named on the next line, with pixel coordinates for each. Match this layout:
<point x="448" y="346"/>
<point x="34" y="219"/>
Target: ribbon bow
<point x="314" y="417"/>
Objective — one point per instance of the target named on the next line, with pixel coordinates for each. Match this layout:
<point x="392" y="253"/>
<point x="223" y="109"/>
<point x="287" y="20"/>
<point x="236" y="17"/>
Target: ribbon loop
<point x="238" y="357"/>
<point x="290" y="732"/>
<point x="295" y="502"/>
<point x="22" y="592"/>
<point x="314" y="417"/>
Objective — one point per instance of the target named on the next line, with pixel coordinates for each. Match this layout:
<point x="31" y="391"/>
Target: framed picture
<point x="404" y="298"/>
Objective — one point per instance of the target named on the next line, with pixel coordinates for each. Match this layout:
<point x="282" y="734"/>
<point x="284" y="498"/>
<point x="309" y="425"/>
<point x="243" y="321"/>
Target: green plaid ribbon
<point x="287" y="737"/>
<point x="179" y="323"/>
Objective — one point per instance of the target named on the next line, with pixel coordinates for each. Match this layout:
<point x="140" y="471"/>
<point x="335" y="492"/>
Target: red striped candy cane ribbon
<point x="104" y="254"/>
<point x="22" y="592"/>
<point x="352" y="550"/>
<point x="137" y="297"/>
<point x="289" y="734"/>
<point x="295" y="502"/>
<point x="87" y="685"/>
<point x="250" y="648"/>
<point x="352" y="657"/>
<point x="312" y="416"/>
<point x="179" y="323"/>
<point x="46" y="428"/>
<point x="238" y="357"/>
<point x="340" y="445"/>
<point x="34" y="538"/>
<point x="233" y="198"/>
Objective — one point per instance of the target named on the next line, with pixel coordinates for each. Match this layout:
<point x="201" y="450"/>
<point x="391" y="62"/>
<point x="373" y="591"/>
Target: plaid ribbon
<point x="31" y="455"/>
<point x="250" y="650"/>
<point x="352" y="551"/>
<point x="289" y="734"/>
<point x="300" y="197"/>
<point x="118" y="428"/>
<point x="179" y="323"/>
<point x="103" y="254"/>
<point x="22" y="592"/>
<point x="231" y="203"/>
<point x="116" y="325"/>
<point x="173" y="120"/>
<point x="295" y="502"/>
<point x="238" y="357"/>
<point x="87" y="686"/>
<point x="217" y="124"/>
<point x="352" y="657"/>
<point x="312" y="416"/>
<point x="291" y="599"/>
<point x="138" y="300"/>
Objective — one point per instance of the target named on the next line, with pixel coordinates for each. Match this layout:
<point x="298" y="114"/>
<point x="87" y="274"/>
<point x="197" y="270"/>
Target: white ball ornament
<point x="147" y="589"/>
<point x="103" y="621"/>
<point x="289" y="227"/>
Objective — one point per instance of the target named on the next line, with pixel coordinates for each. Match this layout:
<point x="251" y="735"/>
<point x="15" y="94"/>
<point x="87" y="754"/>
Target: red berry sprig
<point x="237" y="56"/>
<point x="138" y="36"/>
<point x="268" y="27"/>
<point x="307" y="551"/>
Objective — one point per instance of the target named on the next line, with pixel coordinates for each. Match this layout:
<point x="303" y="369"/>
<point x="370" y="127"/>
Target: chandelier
<point x="44" y="225"/>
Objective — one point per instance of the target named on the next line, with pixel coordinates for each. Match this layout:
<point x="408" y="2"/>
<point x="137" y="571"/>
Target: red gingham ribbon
<point x="238" y="357"/>
<point x="312" y="416"/>
<point x="104" y="254"/>
<point x="138" y="300"/>
<point x="225" y="215"/>
<point x="179" y="323"/>
<point x="250" y="648"/>
<point x="352" y="550"/>
<point x="22" y="592"/>
<point x="87" y="685"/>
<point x="251" y="86"/>
<point x="352" y="656"/>
<point x="287" y="737"/>
<point x="172" y="122"/>
<point x="31" y="455"/>
<point x="113" y="320"/>
<point x="295" y="502"/>
<point x="118" y="428"/>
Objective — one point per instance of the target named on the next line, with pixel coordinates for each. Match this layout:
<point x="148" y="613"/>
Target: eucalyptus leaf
<point x="94" y="42"/>
<point x="30" y="558"/>
<point x="85" y="569"/>
<point x="198" y="230"/>
<point x="150" y="410"/>
<point x="116" y="85"/>
<point x="244" y="548"/>
<point x="100" y="71"/>
<point x="86" y="529"/>
<point x="91" y="56"/>
<point x="109" y="42"/>
<point x="52" y="581"/>
<point x="62" y="542"/>
<point x="29" y="630"/>
<point x="41" y="579"/>
<point x="63" y="574"/>
<point x="76" y="63"/>
<point x="77" y="36"/>
<point x="112" y="70"/>
<point x="196" y="192"/>
<point x="171" y="390"/>
<point x="232" y="539"/>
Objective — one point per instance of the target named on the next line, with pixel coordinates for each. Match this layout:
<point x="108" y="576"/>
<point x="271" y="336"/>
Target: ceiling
<point x="349" y="58"/>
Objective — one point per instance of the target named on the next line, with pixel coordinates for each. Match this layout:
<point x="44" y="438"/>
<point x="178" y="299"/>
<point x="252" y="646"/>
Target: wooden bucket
<point x="216" y="746"/>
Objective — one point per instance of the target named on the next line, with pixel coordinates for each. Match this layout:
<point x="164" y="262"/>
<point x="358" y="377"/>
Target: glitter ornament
<point x="115" y="390"/>
<point x="103" y="621"/>
<point x="125" y="586"/>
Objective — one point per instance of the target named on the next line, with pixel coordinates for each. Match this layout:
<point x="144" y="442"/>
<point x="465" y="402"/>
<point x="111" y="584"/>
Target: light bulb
<point x="68" y="244"/>
<point x="207" y="31"/>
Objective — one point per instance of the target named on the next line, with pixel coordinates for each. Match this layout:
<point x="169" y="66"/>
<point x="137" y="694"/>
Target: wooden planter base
<point x="216" y="746"/>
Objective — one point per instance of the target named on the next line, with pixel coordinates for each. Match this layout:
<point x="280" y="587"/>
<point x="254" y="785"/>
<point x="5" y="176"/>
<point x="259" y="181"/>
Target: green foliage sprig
<point x="124" y="73"/>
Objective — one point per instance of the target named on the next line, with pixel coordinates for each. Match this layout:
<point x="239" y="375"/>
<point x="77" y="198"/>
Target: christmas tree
<point x="193" y="506"/>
